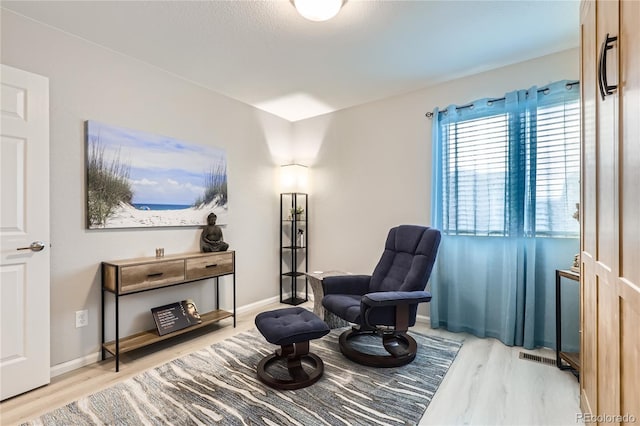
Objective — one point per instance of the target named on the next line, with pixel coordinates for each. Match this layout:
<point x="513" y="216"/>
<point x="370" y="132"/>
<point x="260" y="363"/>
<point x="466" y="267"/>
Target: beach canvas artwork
<point x="136" y="179"/>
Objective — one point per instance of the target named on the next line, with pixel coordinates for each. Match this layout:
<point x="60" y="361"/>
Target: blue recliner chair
<point x="386" y="302"/>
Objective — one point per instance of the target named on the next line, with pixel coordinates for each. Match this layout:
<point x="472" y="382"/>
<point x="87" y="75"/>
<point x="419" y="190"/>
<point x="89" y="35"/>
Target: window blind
<point x="557" y="168"/>
<point x="512" y="170"/>
<point x="476" y="165"/>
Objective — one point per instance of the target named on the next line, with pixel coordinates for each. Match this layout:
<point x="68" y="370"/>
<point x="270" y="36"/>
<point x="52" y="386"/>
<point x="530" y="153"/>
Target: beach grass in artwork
<point x="136" y="179"/>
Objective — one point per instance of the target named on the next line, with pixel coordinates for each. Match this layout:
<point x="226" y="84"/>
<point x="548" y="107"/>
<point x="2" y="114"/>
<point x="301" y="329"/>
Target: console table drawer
<point x="209" y="266"/>
<point x="150" y="275"/>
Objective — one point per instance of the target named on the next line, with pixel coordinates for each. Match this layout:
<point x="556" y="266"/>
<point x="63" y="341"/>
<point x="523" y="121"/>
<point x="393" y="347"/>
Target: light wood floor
<point x="486" y="385"/>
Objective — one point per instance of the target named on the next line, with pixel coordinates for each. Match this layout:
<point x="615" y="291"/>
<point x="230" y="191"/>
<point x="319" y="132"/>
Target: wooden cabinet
<point x="130" y="276"/>
<point x="610" y="243"/>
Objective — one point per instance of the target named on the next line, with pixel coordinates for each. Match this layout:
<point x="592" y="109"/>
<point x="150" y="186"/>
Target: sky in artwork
<point x="163" y="170"/>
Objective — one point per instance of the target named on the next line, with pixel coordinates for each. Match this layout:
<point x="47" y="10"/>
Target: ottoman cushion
<point x="290" y="325"/>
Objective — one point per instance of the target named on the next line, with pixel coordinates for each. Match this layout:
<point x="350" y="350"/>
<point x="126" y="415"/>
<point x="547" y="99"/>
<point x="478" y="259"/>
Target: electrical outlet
<point x="82" y="318"/>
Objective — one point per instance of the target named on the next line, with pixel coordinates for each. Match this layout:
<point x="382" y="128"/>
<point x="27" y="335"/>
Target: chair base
<point x="401" y="347"/>
<point x="299" y="377"/>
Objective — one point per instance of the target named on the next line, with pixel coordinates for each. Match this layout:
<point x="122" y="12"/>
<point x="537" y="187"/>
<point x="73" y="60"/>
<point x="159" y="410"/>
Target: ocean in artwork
<point x="149" y="206"/>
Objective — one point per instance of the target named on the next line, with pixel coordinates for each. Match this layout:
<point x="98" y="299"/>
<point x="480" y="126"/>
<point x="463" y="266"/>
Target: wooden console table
<point x="131" y="276"/>
<point x="572" y="359"/>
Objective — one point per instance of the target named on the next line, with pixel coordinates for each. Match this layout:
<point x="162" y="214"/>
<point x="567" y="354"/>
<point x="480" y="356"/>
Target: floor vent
<point x="539" y="359"/>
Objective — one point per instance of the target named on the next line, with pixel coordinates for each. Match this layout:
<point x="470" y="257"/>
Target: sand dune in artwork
<point x="127" y="216"/>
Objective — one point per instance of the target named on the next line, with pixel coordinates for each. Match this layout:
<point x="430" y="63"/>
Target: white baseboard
<point x="256" y="305"/>
<point x="74" y="364"/>
<point x="92" y="358"/>
<point x="424" y="319"/>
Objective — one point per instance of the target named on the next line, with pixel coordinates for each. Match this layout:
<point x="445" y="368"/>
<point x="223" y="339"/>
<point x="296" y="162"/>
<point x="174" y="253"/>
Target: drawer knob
<point x="213" y="265"/>
<point x="156" y="274"/>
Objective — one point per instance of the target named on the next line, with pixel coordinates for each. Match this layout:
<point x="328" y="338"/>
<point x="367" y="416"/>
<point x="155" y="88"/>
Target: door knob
<point x="35" y="246"/>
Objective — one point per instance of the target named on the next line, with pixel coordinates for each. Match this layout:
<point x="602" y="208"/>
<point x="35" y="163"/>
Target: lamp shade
<point x="318" y="10"/>
<point x="294" y="178"/>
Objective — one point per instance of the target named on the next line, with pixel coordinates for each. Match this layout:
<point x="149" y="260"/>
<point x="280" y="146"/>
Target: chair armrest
<point x="346" y="284"/>
<point x="391" y="298"/>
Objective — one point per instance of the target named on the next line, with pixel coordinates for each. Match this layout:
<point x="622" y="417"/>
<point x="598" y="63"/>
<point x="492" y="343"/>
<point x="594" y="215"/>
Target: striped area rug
<point x="218" y="385"/>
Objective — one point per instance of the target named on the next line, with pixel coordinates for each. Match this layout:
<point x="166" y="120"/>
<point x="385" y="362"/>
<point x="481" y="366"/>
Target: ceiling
<point x="264" y="54"/>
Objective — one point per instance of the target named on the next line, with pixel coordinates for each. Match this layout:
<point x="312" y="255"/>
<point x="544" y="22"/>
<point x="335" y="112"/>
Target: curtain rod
<point x="544" y="90"/>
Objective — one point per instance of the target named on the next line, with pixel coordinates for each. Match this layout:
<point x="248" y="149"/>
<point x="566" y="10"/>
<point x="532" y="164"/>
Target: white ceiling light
<point x="318" y="10"/>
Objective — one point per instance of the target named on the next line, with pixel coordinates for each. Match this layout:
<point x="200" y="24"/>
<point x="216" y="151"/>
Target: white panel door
<point x="24" y="232"/>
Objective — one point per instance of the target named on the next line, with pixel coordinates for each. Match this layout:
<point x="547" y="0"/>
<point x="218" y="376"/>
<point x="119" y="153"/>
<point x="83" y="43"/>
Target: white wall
<point x="90" y="82"/>
<point x="371" y="164"/>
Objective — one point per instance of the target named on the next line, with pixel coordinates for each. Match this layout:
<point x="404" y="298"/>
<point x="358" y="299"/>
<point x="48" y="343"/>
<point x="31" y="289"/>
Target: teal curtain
<point x="504" y="188"/>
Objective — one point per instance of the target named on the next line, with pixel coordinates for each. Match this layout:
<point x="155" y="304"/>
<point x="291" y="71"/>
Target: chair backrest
<point x="407" y="260"/>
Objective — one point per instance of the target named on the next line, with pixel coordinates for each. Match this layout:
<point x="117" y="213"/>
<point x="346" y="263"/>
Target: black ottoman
<point x="291" y="328"/>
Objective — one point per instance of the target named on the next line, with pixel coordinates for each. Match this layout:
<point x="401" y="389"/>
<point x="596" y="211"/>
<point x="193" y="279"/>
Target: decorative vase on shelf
<point x="297" y="213"/>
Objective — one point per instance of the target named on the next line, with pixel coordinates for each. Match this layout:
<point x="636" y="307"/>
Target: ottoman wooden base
<point x="293" y="355"/>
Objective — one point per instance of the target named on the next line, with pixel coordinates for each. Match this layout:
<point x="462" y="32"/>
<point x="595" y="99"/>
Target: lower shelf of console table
<point x="146" y="338"/>
<point x="132" y="276"/>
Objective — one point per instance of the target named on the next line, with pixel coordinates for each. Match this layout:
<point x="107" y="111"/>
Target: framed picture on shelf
<point x="175" y="316"/>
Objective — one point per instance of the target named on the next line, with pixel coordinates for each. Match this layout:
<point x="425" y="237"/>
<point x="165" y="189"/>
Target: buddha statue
<point x="211" y="238"/>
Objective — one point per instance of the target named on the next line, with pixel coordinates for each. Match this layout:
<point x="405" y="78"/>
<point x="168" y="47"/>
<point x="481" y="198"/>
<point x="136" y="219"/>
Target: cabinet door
<point x="607" y="221"/>
<point x="610" y="385"/>
<point x="628" y="281"/>
<point x="588" y="295"/>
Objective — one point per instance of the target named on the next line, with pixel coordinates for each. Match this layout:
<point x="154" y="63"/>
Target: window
<point x="511" y="166"/>
<point x="557" y="165"/>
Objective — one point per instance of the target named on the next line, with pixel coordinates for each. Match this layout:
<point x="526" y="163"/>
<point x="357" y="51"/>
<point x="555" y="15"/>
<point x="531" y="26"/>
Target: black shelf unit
<point x="294" y="240"/>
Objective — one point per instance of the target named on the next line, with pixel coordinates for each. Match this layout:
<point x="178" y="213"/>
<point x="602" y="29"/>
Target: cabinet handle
<point x="605" y="88"/>
<point x="156" y="274"/>
<point x="213" y="265"/>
